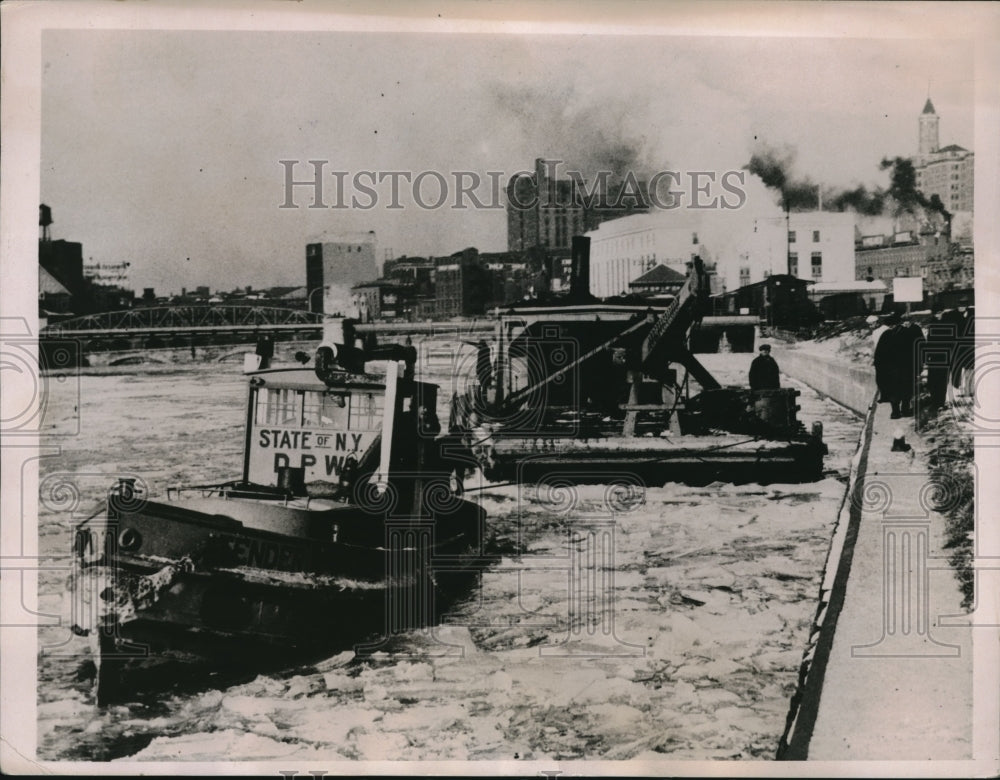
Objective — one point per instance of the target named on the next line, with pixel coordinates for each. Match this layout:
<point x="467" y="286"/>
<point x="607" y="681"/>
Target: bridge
<point x="204" y="325"/>
<point x="186" y="319"/>
<point x="186" y="324"/>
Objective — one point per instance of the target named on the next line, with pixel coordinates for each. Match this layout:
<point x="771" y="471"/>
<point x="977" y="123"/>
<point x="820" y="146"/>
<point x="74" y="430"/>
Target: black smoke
<point x="775" y="167"/>
<point x="903" y="189"/>
<point x="870" y="203"/>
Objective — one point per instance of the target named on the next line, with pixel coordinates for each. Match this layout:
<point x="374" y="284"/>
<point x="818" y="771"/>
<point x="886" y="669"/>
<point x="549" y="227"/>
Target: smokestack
<point x="579" y="281"/>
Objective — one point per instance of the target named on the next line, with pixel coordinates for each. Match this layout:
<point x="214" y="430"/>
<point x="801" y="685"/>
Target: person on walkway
<point x="942" y="341"/>
<point x="911" y="357"/>
<point x="878" y="328"/>
<point x="884" y="360"/>
<point x="764" y="370"/>
<point x="898" y="362"/>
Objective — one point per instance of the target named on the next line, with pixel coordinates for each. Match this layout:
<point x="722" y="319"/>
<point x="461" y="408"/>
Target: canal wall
<point x="852" y="386"/>
<point x="849" y="384"/>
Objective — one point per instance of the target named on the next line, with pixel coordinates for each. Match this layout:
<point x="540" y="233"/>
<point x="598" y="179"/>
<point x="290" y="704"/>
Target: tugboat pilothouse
<point x="347" y="523"/>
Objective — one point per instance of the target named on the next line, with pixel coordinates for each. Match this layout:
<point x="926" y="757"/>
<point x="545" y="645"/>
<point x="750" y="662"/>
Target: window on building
<point x="817" y="265"/>
<point x="791" y="236"/>
<point x="744" y="275"/>
<point x="815" y="236"/>
<point x="694" y="238"/>
<point x="793" y="264"/>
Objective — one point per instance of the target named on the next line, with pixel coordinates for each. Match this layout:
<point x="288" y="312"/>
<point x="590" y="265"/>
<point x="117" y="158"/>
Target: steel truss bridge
<point x="168" y="321"/>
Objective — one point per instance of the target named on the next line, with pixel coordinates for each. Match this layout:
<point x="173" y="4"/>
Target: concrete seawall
<point x="849" y="384"/>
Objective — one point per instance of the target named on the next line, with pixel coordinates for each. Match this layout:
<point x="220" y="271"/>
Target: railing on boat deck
<point x="233" y="492"/>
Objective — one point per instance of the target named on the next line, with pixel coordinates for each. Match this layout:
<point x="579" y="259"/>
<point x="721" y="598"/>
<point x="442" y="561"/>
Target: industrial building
<point x="462" y="285"/>
<point x="336" y="264"/>
<point x="384" y="299"/>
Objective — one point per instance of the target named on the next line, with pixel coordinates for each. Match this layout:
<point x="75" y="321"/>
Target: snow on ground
<point x="684" y="642"/>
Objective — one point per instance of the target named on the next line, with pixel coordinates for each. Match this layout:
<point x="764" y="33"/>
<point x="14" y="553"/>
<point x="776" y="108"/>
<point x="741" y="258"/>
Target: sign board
<point x="908" y="289"/>
<point x="314" y="430"/>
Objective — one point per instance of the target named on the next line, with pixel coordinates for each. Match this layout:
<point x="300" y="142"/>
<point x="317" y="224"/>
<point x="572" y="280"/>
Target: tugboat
<point x="346" y="524"/>
<point x="588" y="391"/>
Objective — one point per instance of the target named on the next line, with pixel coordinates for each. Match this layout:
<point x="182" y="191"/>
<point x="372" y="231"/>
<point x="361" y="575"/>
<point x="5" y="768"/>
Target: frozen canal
<point x="685" y="643"/>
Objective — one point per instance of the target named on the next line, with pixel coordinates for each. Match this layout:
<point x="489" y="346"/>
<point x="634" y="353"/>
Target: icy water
<point x="664" y="624"/>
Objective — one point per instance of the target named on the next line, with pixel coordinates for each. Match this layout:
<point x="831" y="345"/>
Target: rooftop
<point x="661" y="274"/>
<point x="49" y="285"/>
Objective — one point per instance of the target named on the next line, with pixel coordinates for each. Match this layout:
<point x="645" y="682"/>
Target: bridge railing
<point x="179" y="317"/>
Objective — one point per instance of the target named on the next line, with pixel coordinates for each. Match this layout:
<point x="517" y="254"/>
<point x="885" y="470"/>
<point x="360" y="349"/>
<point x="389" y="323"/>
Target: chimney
<point x="579" y="281"/>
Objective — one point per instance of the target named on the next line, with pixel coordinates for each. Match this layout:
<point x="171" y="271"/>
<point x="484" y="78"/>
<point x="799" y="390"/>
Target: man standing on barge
<point x="764" y="370"/>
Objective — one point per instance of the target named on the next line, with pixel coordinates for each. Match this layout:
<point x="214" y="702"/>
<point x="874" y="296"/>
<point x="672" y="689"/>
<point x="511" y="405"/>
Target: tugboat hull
<point x="164" y="583"/>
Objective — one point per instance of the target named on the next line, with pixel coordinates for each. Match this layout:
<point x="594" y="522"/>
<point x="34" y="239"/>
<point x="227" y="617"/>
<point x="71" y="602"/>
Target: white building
<point x="622" y="250"/>
<point x="813" y="245"/>
<point x="816" y="245"/>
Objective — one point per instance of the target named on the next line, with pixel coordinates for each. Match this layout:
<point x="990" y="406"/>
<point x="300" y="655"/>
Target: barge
<point x="592" y="391"/>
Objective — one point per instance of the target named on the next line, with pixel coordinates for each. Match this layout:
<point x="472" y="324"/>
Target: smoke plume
<point x="903" y="189"/>
<point x="775" y="167"/>
<point x="559" y="123"/>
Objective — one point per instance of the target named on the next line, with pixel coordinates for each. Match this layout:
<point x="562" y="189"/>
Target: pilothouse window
<point x="279" y="406"/>
<point x="293" y="408"/>
<point x="326" y="410"/>
<point x="366" y="412"/>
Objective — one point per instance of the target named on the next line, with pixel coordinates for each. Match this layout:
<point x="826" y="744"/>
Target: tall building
<point x="928" y="128"/>
<point x="336" y="264"/>
<point x="544" y="212"/>
<point x="943" y="171"/>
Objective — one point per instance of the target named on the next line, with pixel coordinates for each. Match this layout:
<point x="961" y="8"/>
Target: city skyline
<point x="163" y="148"/>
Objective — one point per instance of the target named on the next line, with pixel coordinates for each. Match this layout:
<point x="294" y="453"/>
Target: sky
<point x="163" y="148"/>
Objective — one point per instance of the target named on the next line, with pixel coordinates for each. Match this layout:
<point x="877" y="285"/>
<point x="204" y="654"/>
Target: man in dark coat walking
<point x="764" y="370"/>
<point x="898" y="362"/>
